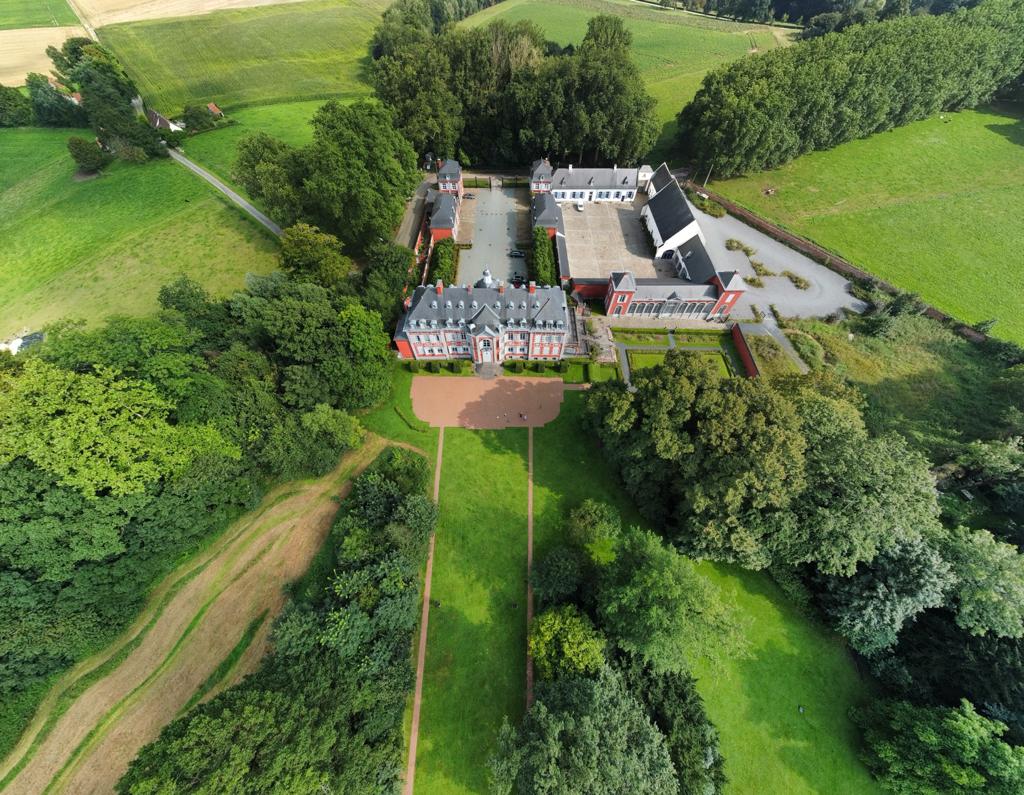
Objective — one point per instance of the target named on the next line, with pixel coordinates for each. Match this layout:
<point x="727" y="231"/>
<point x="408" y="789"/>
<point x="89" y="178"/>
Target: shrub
<point x="517" y="367"/>
<point x="709" y="206"/>
<point x="733" y="244"/>
<point x="810" y="349"/>
<point x="760" y="269"/>
<point x="443" y="262"/>
<point x="414" y="366"/>
<point x="753" y="281"/>
<point x="563" y="366"/>
<point x="434" y="367"/>
<point x="798" y="281"/>
<point x="87" y="154"/>
<point x="758" y="314"/>
<point x="749" y="250"/>
<point x="542" y="261"/>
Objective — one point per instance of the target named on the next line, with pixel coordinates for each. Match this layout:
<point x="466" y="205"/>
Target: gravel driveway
<point x="501" y="223"/>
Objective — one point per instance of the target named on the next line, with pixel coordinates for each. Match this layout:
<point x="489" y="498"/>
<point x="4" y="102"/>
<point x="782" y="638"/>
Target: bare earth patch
<point x="107" y="12"/>
<point x="502" y="402"/>
<point x="92" y="743"/>
<point x="23" y="51"/>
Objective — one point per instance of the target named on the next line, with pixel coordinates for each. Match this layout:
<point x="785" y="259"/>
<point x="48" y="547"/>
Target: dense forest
<point x="502" y="94"/>
<point x="765" y="110"/>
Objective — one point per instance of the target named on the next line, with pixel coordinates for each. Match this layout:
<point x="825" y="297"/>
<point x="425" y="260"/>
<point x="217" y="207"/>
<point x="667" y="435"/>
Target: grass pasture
<point x="672" y="49"/>
<point x="933" y="208"/>
<point x="262" y="55"/>
<point x="105" y="246"/>
<point x="36" y="14"/>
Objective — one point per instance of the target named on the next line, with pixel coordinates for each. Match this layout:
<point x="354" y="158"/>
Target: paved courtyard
<point x="470" y="402"/>
<point x="607" y="236"/>
<point x="496" y="221"/>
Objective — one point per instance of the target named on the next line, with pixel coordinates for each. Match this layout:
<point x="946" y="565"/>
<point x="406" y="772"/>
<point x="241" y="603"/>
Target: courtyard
<point x="495" y="221"/>
<point x="608" y="236"/>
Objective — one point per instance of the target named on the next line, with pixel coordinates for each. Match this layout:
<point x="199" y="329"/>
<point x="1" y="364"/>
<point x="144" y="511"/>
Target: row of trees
<point x="784" y="475"/>
<point x="763" y="111"/>
<point x="543" y="267"/>
<point x="813" y="13"/>
<point x="324" y="711"/>
<point x="351" y="181"/>
<point x="124" y="446"/>
<point x="624" y="618"/>
<point x="501" y="94"/>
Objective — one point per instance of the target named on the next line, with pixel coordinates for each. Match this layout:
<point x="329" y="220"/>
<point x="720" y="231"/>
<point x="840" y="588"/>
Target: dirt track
<point x="238" y="578"/>
<point x="23" y="51"/>
<point x="108" y="12"/>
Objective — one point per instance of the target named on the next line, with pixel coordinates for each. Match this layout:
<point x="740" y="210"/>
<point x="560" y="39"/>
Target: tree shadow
<point x="1014" y="130"/>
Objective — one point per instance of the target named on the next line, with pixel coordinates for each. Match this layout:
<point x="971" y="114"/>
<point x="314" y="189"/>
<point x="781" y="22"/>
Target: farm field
<point x="205" y="626"/>
<point x="753" y="702"/>
<point x="672" y="49"/>
<point x="24" y="50"/>
<point x="933" y="208"/>
<point x="476" y="647"/>
<point x="36" y="14"/>
<point x="263" y="55"/>
<point x="106" y="12"/>
<point x="105" y="246"/>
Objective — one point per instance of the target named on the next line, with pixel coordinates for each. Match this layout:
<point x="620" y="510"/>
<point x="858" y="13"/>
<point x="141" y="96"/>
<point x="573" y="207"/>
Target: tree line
<point x="765" y="110"/>
<point x="502" y="94"/>
<point x="623" y="618"/>
<point x="784" y="475"/>
<point x="324" y="711"/>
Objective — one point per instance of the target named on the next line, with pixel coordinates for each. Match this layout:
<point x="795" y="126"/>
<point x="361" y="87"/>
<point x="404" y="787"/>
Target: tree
<point x="15" y="108"/>
<point x="98" y="433"/>
<point x="197" y="118"/>
<point x="556" y="577"/>
<point x="50" y="107"/>
<point x="443" y="266"/>
<point x="87" y="154"/>
<point x="307" y="254"/>
<point x="676" y="708"/>
<point x="595" y="527"/>
<point x="564" y="642"/>
<point x="989" y="593"/>
<point x="542" y="260"/>
<point x="386" y="273"/>
<point x="653" y="603"/>
<point x="872" y="606"/>
<point x="937" y="749"/>
<point x="583" y="735"/>
<point x="329" y="433"/>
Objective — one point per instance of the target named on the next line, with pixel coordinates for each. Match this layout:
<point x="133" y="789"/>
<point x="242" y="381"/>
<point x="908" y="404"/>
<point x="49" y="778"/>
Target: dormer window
<point x="497" y="306"/>
<point x="447" y="304"/>
<point x="462" y="304"/>
<point x="536" y="304"/>
<point x="473" y="305"/>
<point x="433" y="304"/>
<point x="522" y="304"/>
<point x="511" y="304"/>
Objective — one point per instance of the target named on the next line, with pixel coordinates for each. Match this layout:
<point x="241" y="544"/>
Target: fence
<point x="743" y="349"/>
<point x="829" y="259"/>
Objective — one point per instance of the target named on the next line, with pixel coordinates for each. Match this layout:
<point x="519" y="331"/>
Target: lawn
<point x="673" y="49"/>
<point x="476" y="651"/>
<point x="105" y="246"/>
<point x="216" y="150"/>
<point x="753" y="702"/>
<point x="652" y="338"/>
<point x="275" y="53"/>
<point x="933" y="207"/>
<point x="638" y="360"/>
<point x="932" y="387"/>
<point x="395" y="419"/>
<point x="16" y="14"/>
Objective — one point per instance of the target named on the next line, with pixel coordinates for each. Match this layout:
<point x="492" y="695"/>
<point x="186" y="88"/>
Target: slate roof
<point x="563" y="256"/>
<point x="673" y="290"/>
<point x="443" y="214"/>
<point x="731" y="280"/>
<point x="670" y="211"/>
<point x="545" y="211"/>
<point x="540" y="169"/>
<point x="662" y="178"/>
<point x="450" y="171"/>
<point x="595" y="179"/>
<point x="623" y="280"/>
<point x="698" y="265"/>
<point x="478" y="307"/>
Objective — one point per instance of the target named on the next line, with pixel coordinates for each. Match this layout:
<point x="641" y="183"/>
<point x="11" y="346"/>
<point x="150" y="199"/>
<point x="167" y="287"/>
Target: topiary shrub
<point x="434" y="367"/>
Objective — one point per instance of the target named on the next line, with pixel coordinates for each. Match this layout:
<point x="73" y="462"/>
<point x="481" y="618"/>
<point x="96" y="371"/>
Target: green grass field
<point x="216" y="150"/>
<point x="673" y="49"/>
<point x="638" y="360"/>
<point x="476" y="650"/>
<point x="768" y="745"/>
<point x="934" y="207"/>
<point x="35" y="14"/>
<point x="105" y="246"/>
<point x="275" y="53"/>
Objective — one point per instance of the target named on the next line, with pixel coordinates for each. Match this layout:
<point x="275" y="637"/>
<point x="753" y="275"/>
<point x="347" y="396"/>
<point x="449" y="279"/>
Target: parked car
<point x="517" y="254"/>
<point x="579" y="207"/>
<point x="468" y="195"/>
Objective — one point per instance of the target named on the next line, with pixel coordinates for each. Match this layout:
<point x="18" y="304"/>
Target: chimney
<point x="533" y="287"/>
<point x="501" y="288"/>
<point x="570" y="168"/>
<point x="440" y="287"/>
